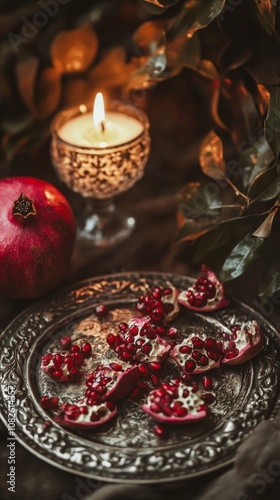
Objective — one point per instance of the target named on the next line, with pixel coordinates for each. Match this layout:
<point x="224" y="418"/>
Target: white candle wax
<point x="119" y="129"/>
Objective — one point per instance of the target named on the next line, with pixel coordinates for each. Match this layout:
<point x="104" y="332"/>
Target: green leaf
<point x="194" y="15"/>
<point x="271" y="192"/>
<point x="255" y="159"/>
<point x="242" y="256"/>
<point x="211" y="157"/>
<point x="272" y="124"/>
<point x="270" y="283"/>
<point x="222" y="235"/>
<point x="196" y="200"/>
<point x="262" y="182"/>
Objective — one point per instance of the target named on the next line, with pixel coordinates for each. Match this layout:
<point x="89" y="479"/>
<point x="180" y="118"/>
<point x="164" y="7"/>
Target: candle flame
<point x="99" y="112"/>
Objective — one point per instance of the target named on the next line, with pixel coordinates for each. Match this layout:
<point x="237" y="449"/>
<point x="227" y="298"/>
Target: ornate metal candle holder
<point x="99" y="174"/>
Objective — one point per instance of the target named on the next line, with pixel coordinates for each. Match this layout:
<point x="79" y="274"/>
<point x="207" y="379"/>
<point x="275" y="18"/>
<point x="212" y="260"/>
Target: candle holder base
<point x="103" y="225"/>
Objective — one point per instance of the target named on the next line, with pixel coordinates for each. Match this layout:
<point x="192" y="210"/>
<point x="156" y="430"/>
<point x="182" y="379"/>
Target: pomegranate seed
<point x="116" y="367"/>
<point x="57" y="374"/>
<point x="160" y="330"/>
<point x="185" y="349"/>
<point x="86" y="349"/>
<point x="146" y="348"/>
<point x="123" y="327"/>
<point x="197" y="343"/>
<point x="194" y="388"/>
<point x="209" y="398"/>
<point x="187" y="379"/>
<point x="65" y="341"/>
<point x="203" y="361"/>
<point x="172" y="332"/>
<point x="196" y="355"/>
<point x="155" y="408"/>
<point x="111" y="339"/>
<point x="180" y="412"/>
<point x="84" y="410"/>
<point x="78" y="357"/>
<point x="185" y="393"/>
<point x="157" y="292"/>
<point x="160" y="431"/>
<point x="203" y="408"/>
<point x="75" y="348"/>
<point x="154" y="366"/>
<point x="213" y="355"/>
<point x="49" y="402"/>
<point x="155" y="380"/>
<point x="94" y="417"/>
<point x="111" y="406"/>
<point x="101" y="310"/>
<point x="126" y="356"/>
<point x="57" y="360"/>
<point x="135" y="394"/>
<point x="143" y="370"/>
<point x="211" y="344"/>
<point x="207" y="383"/>
<point x="190" y="366"/>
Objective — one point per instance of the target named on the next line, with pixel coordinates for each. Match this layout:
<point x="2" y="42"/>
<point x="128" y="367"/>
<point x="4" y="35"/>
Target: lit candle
<point x="100" y="130"/>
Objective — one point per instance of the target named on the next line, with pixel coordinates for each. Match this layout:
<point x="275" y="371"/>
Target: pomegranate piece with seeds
<point x="205" y="295"/>
<point x="81" y="416"/>
<point x="160" y="304"/>
<point x="64" y="366"/>
<point x="198" y="353"/>
<point x="137" y="341"/>
<point x="241" y="343"/>
<point x="176" y="402"/>
<point x="113" y="382"/>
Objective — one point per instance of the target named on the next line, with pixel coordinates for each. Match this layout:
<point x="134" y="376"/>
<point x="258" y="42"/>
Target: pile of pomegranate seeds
<point x="65" y="366"/>
<point x="142" y="345"/>
<point x="160" y="304"/>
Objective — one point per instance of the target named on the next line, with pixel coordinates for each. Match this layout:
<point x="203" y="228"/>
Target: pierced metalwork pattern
<point x="125" y="449"/>
<point x="100" y="172"/>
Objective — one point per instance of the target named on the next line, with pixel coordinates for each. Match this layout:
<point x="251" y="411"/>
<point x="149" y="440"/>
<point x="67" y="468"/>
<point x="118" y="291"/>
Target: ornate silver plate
<point x="126" y="449"/>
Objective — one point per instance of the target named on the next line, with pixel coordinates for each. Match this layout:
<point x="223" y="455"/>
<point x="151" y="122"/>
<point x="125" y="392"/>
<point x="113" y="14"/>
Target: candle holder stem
<point x="103" y="224"/>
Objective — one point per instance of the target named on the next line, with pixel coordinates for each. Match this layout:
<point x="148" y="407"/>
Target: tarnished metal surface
<point x="125" y="449"/>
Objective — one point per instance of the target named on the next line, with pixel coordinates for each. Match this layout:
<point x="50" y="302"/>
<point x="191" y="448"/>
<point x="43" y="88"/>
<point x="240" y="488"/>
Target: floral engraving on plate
<point x="126" y="448"/>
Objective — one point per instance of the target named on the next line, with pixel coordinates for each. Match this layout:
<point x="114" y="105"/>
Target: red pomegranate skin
<point x="35" y="251"/>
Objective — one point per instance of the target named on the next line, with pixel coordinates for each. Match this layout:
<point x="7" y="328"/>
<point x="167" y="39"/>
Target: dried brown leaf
<point x="264" y="230"/>
<point x="211" y="157"/>
<point x="74" y="51"/>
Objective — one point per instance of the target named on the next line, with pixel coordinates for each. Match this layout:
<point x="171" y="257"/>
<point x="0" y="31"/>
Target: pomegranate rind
<point x="83" y="422"/>
<point x="191" y="403"/>
<point x="182" y="358"/>
<point x="122" y="381"/>
<point x="213" y="304"/>
<point x="252" y="348"/>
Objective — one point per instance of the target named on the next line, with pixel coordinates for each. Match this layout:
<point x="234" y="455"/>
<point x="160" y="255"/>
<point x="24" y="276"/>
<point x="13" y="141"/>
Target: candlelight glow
<point x="99" y="112"/>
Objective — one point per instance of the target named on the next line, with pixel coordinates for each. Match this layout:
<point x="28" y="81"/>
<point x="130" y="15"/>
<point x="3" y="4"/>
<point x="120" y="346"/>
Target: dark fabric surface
<point x="152" y="201"/>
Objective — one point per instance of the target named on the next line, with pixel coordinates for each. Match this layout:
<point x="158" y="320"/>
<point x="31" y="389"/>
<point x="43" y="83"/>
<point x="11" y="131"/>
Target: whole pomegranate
<point x="37" y="234"/>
